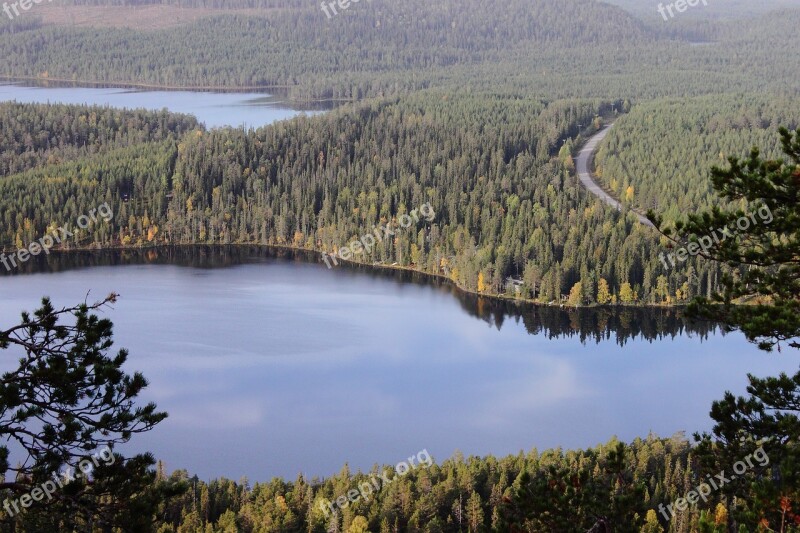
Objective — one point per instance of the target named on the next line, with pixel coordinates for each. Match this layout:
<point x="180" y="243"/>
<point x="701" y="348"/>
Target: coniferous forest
<point x="498" y="172"/>
<point x="478" y="110"/>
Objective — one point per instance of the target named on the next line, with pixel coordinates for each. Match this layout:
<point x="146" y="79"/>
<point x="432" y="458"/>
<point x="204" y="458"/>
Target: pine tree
<point x="69" y="397"/>
<point x="766" y="423"/>
<point x="767" y="256"/>
<point x="475" y="513"/>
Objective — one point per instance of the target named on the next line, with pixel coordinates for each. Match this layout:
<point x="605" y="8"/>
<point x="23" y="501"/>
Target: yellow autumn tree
<point x="416" y="257"/>
<point x="280" y="503"/>
<point x="454" y="274"/>
<point x="576" y="294"/>
<point x="651" y="524"/>
<point x="603" y="292"/>
<point x="359" y="525"/>
<point x="629" y="193"/>
<point x="721" y="515"/>
<point x="626" y="294"/>
<point x="151" y="232"/>
<point x="481" y="282"/>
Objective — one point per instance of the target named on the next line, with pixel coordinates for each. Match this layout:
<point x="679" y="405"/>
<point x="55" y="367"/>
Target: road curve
<point x="584" y="163"/>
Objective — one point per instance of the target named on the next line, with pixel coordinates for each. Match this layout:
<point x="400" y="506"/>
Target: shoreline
<point x="154" y="86"/>
<point x="372" y="266"/>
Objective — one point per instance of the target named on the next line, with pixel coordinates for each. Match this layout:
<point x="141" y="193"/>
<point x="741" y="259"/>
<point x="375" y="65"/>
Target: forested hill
<point x="301" y="47"/>
<point x="467" y="105"/>
<point x="714" y="11"/>
<point x="492" y="168"/>
<point x="565" y="49"/>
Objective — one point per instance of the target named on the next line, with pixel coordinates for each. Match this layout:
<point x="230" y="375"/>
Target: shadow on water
<point x="614" y="323"/>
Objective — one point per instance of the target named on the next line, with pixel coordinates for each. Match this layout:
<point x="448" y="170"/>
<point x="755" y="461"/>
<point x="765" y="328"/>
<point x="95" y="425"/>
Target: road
<point x="584" y="164"/>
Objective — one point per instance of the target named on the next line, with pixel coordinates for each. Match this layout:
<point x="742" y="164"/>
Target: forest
<point x="497" y="171"/>
<point x="686" y="137"/>
<point x="541" y="491"/>
<point x="478" y="114"/>
<point x="458" y="494"/>
<point x="570" y="49"/>
<point x="477" y="109"/>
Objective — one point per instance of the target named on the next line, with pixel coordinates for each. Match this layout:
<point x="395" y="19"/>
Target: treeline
<point x="492" y="167"/>
<point x="624" y="487"/>
<point x="363" y="52"/>
<point x="587" y="324"/>
<point x="575" y="48"/>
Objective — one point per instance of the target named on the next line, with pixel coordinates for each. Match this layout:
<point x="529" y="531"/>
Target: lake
<point x="214" y="109"/>
<point x="270" y="364"/>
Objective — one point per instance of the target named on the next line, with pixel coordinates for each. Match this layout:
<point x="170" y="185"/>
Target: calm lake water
<point x="212" y="109"/>
<point x="271" y="365"/>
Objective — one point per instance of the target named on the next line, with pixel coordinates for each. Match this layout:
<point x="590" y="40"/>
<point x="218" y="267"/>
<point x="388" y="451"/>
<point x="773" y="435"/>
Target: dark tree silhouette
<point x="67" y="399"/>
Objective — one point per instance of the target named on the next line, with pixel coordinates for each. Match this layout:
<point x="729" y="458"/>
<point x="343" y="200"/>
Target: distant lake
<point x="269" y="364"/>
<point x="214" y="109"/>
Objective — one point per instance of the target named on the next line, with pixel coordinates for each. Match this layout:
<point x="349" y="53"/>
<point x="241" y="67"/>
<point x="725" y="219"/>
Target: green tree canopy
<point x="68" y="398"/>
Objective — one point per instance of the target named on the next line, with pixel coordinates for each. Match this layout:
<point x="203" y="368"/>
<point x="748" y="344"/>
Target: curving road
<point x="583" y="165"/>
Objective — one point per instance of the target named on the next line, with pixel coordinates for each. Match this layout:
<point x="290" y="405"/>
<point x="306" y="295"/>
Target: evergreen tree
<point x="68" y="398"/>
<point x="769" y="249"/>
<point x="763" y="302"/>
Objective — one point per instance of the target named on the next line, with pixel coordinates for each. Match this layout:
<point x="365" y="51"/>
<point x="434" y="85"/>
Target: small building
<point x="513" y="284"/>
